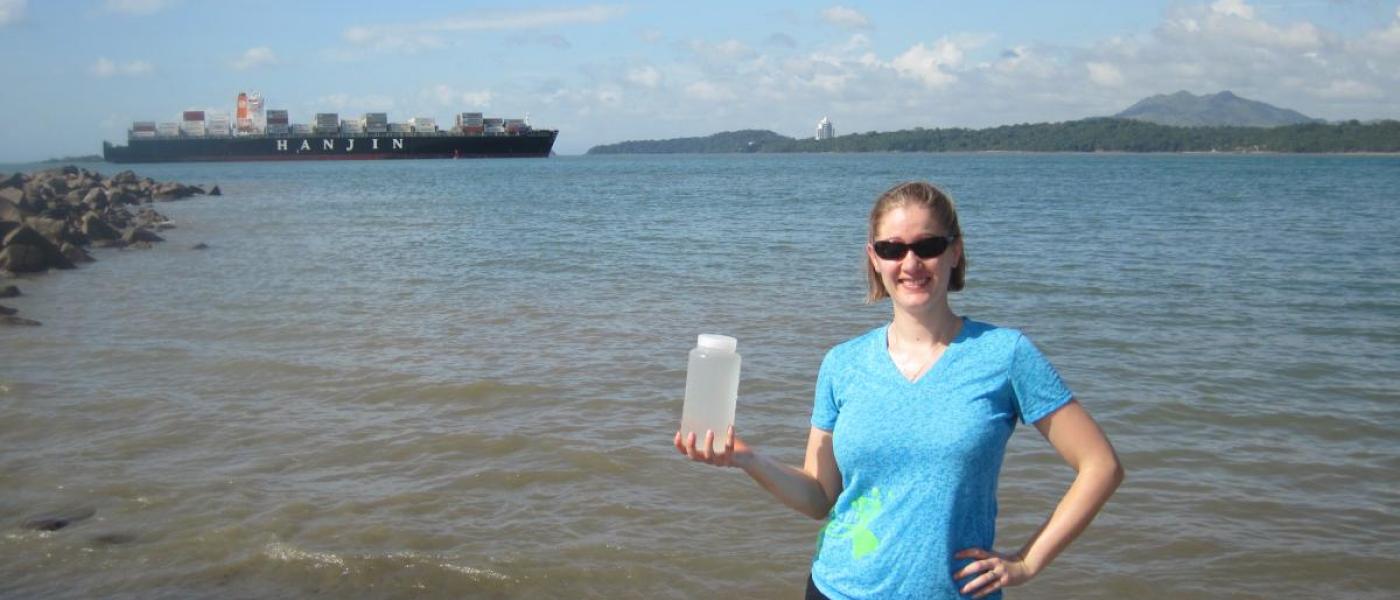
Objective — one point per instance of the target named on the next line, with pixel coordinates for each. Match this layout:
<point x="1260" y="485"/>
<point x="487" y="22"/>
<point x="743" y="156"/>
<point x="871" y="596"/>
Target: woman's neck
<point x="937" y="327"/>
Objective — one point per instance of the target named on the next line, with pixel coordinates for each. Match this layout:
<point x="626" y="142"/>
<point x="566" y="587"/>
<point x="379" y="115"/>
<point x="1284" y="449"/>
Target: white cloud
<point x="11" y="11"/>
<point x="727" y="50"/>
<point x="1104" y="74"/>
<point x="255" y="57"/>
<point x="709" y="92"/>
<point x="412" y="37"/>
<point x="106" y="67"/>
<point x="651" y="36"/>
<point x="646" y="76"/>
<point x="447" y="96"/>
<point x="1236" y="8"/>
<point x="1347" y="89"/>
<point x="842" y="16"/>
<point x="930" y="65"/>
<point x="137" y="7"/>
<point x="348" y="102"/>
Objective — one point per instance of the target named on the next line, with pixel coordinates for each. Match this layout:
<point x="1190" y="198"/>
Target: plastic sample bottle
<point x="711" y="388"/>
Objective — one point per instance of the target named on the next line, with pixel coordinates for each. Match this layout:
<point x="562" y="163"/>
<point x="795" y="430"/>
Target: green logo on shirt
<point x="854" y="524"/>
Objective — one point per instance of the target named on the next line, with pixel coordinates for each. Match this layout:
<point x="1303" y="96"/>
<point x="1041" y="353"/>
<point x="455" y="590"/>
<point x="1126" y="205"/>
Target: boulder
<point x="22" y="258"/>
<point x="50" y="256"/>
<point x="9" y="291"/>
<point x="171" y="191"/>
<point x="74" y="254"/>
<point x="96" y="198"/>
<point x="13" y="180"/>
<point x="13" y="320"/>
<point x="97" y="229"/>
<point x="56" y="230"/>
<point x="117" y="243"/>
<point x="125" y="177"/>
<point x="141" y="234"/>
<point x="5" y="310"/>
<point x="199" y="246"/>
<point x="216" y="191"/>
<point x="10" y="210"/>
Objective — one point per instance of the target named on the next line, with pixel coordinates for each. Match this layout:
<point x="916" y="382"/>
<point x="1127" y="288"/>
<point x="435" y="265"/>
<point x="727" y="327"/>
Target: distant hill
<point x="746" y="140"/>
<point x="1224" y="109"/>
<point x="1102" y="134"/>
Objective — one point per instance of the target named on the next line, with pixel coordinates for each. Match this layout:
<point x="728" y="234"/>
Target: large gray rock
<point x="172" y="191"/>
<point x="97" y="229"/>
<point x="13" y="180"/>
<point x="56" y="230"/>
<point x="9" y="291"/>
<point x="10" y="210"/>
<point x="13" y="320"/>
<point x="22" y="258"/>
<point x="74" y="254"/>
<point x="141" y="234"/>
<point x="96" y="198"/>
<point x="216" y="191"/>
<point x="50" y="255"/>
<point x="5" y="310"/>
<point x="125" y="177"/>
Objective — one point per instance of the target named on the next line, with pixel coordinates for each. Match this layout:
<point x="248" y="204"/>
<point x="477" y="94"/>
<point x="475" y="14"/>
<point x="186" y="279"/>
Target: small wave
<point x="353" y="564"/>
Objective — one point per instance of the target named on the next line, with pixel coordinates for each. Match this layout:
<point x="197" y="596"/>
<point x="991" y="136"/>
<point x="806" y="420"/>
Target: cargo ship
<point x="256" y="134"/>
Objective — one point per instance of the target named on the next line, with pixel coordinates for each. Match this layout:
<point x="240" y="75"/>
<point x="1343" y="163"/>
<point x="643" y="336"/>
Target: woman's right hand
<point x="734" y="453"/>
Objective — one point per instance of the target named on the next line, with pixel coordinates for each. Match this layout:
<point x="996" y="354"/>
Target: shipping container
<point x="495" y="129"/>
<point x="348" y="126"/>
<point x="278" y="129"/>
<point x="143" y="126"/>
<point x="474" y="130"/>
<point x="301" y="128"/>
<point x="328" y="119"/>
<point x="399" y="128"/>
<point x="376" y="119"/>
<point x="194" y="115"/>
<point x="143" y="134"/>
<point x="279" y="114"/>
<point x="493" y="121"/>
<point x="168" y="129"/>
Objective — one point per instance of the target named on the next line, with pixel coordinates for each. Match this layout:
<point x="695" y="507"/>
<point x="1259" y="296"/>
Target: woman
<point x="910" y="425"/>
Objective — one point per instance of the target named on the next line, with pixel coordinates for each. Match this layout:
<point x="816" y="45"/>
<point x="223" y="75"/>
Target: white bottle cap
<point x="710" y="341"/>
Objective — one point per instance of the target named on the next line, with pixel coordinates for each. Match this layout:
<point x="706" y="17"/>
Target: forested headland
<point x="1101" y="134"/>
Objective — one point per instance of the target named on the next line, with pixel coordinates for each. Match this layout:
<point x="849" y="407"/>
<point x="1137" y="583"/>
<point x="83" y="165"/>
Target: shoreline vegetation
<point x="49" y="218"/>
<point x="1100" y="134"/>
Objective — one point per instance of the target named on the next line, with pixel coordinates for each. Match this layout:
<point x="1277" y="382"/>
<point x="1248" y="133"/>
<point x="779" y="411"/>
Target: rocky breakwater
<point x="49" y="220"/>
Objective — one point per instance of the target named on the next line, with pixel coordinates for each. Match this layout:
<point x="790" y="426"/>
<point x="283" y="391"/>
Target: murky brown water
<point x="459" y="378"/>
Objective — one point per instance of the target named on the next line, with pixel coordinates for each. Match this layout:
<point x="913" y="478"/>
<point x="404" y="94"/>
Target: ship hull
<point x="372" y="146"/>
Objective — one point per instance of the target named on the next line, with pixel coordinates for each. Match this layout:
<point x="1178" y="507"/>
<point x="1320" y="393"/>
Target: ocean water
<point x="459" y="379"/>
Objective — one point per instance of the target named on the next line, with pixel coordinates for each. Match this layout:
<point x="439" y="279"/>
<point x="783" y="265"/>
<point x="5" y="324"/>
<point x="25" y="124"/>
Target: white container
<point x="711" y="389"/>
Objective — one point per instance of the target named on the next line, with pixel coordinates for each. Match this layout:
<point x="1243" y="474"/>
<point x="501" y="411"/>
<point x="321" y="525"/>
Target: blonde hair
<point x="915" y="193"/>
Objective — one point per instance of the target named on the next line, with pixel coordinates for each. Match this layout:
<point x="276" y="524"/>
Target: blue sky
<point x="79" y="71"/>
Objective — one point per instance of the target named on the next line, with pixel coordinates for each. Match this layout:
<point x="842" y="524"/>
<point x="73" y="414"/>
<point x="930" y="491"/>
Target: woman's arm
<point x="811" y="490"/>
<point x="1078" y="439"/>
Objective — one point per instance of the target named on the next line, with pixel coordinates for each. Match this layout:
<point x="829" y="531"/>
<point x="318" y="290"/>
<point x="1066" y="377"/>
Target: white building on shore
<point x="824" y="129"/>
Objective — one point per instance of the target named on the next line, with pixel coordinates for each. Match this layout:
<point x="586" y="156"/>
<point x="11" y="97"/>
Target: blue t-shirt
<point x="919" y="461"/>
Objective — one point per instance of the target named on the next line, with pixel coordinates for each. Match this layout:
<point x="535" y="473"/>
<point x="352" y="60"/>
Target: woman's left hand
<point x="991" y="571"/>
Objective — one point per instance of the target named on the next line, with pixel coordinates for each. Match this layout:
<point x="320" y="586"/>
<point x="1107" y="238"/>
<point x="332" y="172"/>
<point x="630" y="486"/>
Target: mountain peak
<point x="1222" y="108"/>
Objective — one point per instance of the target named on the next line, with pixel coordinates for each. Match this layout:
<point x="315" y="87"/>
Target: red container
<point x="194" y="115"/>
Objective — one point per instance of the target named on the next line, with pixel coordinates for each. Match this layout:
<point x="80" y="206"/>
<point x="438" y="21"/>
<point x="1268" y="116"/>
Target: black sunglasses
<point x="925" y="248"/>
